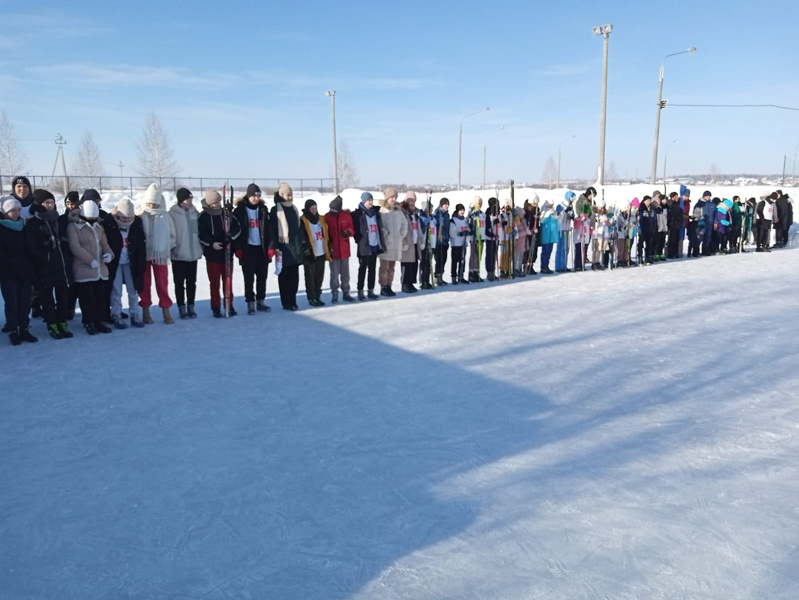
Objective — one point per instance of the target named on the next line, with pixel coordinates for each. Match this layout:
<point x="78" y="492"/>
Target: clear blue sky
<point x="240" y="86"/>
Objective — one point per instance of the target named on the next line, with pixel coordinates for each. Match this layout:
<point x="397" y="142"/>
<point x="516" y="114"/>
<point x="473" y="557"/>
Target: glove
<point x="107" y="258"/>
<point x="347" y="233"/>
<point x="239" y="254"/>
<point x="270" y="253"/>
<point x="94" y="264"/>
<point x="217" y="246"/>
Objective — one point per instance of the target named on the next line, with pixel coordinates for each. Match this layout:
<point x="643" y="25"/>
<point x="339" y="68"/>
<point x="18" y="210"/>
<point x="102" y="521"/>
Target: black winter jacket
<point x="137" y="249"/>
<point x="210" y="229"/>
<point x="15" y="262"/>
<point x="48" y="247"/>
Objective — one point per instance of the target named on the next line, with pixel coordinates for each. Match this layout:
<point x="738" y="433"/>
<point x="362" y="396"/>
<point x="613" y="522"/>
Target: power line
<point x="737" y="106"/>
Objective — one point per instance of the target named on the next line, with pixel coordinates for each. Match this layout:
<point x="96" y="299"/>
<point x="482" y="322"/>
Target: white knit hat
<point x="89" y="210"/>
<point x="10" y="203"/>
<point x="153" y="195"/>
<point x="284" y="189"/>
<point x="125" y="208"/>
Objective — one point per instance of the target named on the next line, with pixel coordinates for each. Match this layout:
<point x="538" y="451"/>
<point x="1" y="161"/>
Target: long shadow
<point x="293" y="458"/>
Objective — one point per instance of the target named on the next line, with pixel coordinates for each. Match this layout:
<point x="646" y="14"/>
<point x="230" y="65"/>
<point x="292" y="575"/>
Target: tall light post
<point x="666" y="159"/>
<point x="485" y="152"/>
<point x="660" y="106"/>
<point x="460" y="140"/>
<point x="332" y="95"/>
<point x="793" y="177"/>
<point x="604" y="31"/>
<point x="560" y="148"/>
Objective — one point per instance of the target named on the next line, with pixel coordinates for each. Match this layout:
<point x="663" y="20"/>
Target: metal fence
<point x="198" y="185"/>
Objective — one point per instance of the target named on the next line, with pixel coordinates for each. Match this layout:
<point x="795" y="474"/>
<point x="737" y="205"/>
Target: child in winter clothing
<point x="339" y="229"/>
<point x="522" y="239"/>
<point x="492" y="231"/>
<point x="159" y="231"/>
<point x="284" y="220"/>
<point x="369" y="239"/>
<point x="477" y="225"/>
<point x="395" y="228"/>
<point x="600" y="242"/>
<point x="662" y="218"/>
<point x="549" y="235"/>
<point x="253" y="249"/>
<point x="15" y="273"/>
<point x="621" y="235"/>
<point x="441" y="216"/>
<point x="414" y="244"/>
<point x="647" y="225"/>
<point x="428" y="229"/>
<point x="186" y="253"/>
<point x="458" y="234"/>
<point x="22" y="191"/>
<point x="582" y="227"/>
<point x="532" y="217"/>
<point x="316" y="251"/>
<point x="49" y="250"/>
<point x="91" y="255"/>
<point x="125" y="234"/>
<point x="563" y="217"/>
<point x="216" y="231"/>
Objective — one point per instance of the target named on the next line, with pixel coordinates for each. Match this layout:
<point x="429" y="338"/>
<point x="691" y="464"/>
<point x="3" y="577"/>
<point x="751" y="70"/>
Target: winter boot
<point x="145" y="316"/>
<point x="260" y="306"/>
<point x="372" y="296"/>
<point x="55" y="331"/>
<point x="462" y="280"/>
<point x="319" y="302"/>
<point x="217" y="312"/>
<point x="101" y="327"/>
<point x="251" y="308"/>
<point x="167" y="317"/>
<point x="190" y="311"/>
<point x="439" y="280"/>
<point x="361" y="296"/>
<point x="135" y="321"/>
<point x="232" y="312"/>
<point x="7" y="328"/>
<point x="26" y="336"/>
<point x="118" y="322"/>
<point x="384" y="291"/>
<point x="89" y="327"/>
<point x="334" y="298"/>
<point x="182" y="311"/>
<point x="65" y="332"/>
<point x="347" y="298"/>
<point x="14" y="338"/>
<point x="390" y="291"/>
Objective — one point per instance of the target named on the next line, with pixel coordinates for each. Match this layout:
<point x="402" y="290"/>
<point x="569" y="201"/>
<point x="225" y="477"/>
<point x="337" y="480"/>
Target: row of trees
<point x="156" y="157"/>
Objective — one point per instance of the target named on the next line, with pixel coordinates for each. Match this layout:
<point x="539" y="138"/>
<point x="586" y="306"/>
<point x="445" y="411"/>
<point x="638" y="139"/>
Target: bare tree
<point x="610" y="173"/>
<point x="156" y="159"/>
<point x="347" y="171"/>
<point x="550" y="172"/>
<point x="12" y="158"/>
<point x="88" y="164"/>
<point x="713" y="173"/>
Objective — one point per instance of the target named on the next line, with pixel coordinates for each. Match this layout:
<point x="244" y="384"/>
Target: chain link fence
<point x="197" y="185"/>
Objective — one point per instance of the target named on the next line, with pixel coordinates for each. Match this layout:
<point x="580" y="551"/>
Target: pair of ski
<point x="227" y="215"/>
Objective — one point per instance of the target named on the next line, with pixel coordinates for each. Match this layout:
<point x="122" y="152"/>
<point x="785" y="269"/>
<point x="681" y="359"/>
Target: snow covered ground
<point x="631" y="434"/>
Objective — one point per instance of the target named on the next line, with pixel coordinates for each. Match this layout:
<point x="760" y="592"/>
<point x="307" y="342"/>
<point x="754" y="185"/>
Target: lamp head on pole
<point x="602" y="29"/>
<point x="330" y="93"/>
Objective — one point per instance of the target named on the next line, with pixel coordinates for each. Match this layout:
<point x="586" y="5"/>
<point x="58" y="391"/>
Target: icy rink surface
<point x="619" y="435"/>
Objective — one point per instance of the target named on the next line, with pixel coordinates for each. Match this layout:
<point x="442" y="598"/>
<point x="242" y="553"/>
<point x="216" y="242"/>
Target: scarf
<point x="13" y="225"/>
<point x="369" y="212"/>
<point x="282" y="222"/>
<point x="156" y="230"/>
<point x="314" y="219"/>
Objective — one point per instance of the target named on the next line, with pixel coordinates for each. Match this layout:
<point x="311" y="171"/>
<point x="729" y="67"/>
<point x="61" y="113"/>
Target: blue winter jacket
<point x="442" y="218"/>
<point x="549" y="230"/>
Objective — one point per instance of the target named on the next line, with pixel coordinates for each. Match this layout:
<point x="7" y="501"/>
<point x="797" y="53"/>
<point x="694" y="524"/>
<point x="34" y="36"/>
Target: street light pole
<point x="460" y="140"/>
<point x="604" y="31"/>
<point x="485" y="152"/>
<point x="658" y="108"/>
<point x="793" y="177"/>
<point x="560" y="147"/>
<point x="666" y="159"/>
<point x="332" y="95"/>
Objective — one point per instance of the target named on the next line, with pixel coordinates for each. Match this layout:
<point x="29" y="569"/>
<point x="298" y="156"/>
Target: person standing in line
<point x="493" y="227"/>
<point x="48" y="249"/>
<point x="548" y="228"/>
<point x="159" y="231"/>
<point x="676" y="221"/>
<point x="458" y="234"/>
<point x="91" y="255"/>
<point x="22" y="191"/>
<point x="340" y="230"/>
<point x="316" y="251"/>
<point x="286" y="241"/>
<point x="254" y="246"/>
<point x="395" y="228"/>
<point x="214" y="239"/>
<point x="15" y="273"/>
<point x="186" y="253"/>
<point x="429" y="232"/>
<point x="414" y="244"/>
<point x="369" y="239"/>
<point x="441" y="215"/>
<point x="125" y="234"/>
<point x="477" y="225"/>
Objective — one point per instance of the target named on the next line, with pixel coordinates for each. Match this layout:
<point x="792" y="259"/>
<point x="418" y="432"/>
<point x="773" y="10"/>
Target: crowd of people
<point x="49" y="262"/>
